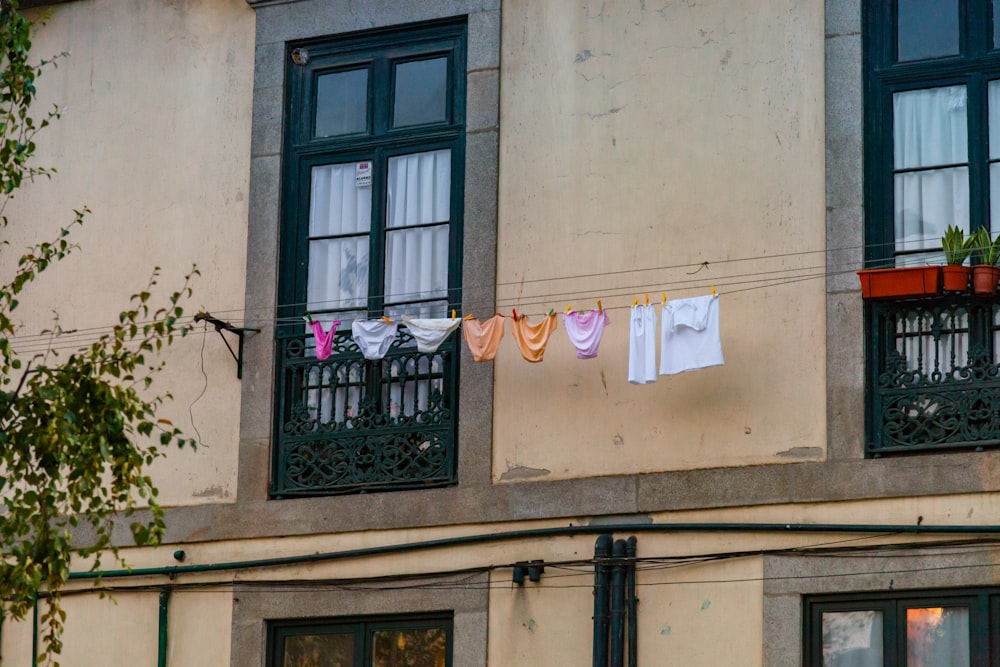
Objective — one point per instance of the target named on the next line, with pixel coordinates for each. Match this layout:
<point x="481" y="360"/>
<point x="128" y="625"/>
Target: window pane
<point x="930" y="127"/>
<point x="419" y="189"/>
<point x="996" y="25"/>
<point x="319" y="651"/>
<point x="926" y="202"/>
<point x="338" y="204"/>
<point x="927" y="29"/>
<point x="416" y="264"/>
<point x="852" y="639"/>
<point x="420" y="647"/>
<point x="993" y="92"/>
<point x="421" y="92"/>
<point x="342" y="103"/>
<point x="937" y="637"/>
<point x="338" y="273"/>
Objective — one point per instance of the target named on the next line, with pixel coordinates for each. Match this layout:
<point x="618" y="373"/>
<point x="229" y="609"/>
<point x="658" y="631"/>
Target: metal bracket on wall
<point x="240" y="332"/>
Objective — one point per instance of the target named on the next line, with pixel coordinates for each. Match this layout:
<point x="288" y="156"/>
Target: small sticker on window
<point x="363" y="175"/>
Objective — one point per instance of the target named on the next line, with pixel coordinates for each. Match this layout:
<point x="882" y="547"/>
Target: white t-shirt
<point x="689" y="335"/>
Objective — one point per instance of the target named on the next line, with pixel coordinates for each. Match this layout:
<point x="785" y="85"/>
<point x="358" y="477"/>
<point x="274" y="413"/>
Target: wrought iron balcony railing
<point x="349" y="425"/>
<point x="934" y="374"/>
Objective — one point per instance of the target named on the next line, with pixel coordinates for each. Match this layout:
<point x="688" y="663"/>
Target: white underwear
<point x="430" y="333"/>
<point x="373" y="337"/>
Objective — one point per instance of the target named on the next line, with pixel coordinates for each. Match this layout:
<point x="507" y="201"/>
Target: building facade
<point x="826" y="496"/>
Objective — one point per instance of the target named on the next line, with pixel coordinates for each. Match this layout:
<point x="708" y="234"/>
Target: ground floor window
<point x="383" y="641"/>
<point x="930" y="628"/>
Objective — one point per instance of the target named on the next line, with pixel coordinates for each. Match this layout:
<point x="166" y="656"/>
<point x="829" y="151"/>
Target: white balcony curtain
<point x="930" y="129"/>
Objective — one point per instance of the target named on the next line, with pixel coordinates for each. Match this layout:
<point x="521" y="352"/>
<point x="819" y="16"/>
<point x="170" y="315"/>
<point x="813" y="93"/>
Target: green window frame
<point x="960" y="626"/>
<point x="386" y="641"/>
<point x="372" y="113"/>
<point x="931" y="362"/>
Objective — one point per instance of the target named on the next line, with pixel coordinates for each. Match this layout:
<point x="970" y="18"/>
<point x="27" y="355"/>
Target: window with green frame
<point x="956" y="627"/>
<point x="371" y="227"/>
<point x="396" y="641"/>
<point x="932" y="159"/>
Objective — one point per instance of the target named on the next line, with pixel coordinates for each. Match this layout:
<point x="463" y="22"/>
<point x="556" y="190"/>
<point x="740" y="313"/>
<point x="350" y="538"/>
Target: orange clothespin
<point x="386" y="320"/>
<point x="663" y="298"/>
<point x="635" y="302"/>
<point x="647" y="298"/>
<point x="713" y="290"/>
<point x="600" y="308"/>
<point x="569" y="307"/>
<point x="468" y="317"/>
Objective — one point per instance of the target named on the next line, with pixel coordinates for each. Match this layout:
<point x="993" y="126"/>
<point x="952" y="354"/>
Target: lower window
<point x="396" y="641"/>
<point x="947" y="628"/>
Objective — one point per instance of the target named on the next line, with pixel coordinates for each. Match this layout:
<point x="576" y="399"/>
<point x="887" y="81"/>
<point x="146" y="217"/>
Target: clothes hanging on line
<point x="374" y="337"/>
<point x="532" y="338"/>
<point x="483" y="338"/>
<point x="324" y="339"/>
<point x="585" y="331"/>
<point x="642" y="345"/>
<point x="430" y="332"/>
<point x="689" y="335"/>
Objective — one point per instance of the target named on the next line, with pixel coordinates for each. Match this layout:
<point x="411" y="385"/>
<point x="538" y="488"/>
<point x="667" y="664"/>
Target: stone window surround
<point x="846" y="475"/>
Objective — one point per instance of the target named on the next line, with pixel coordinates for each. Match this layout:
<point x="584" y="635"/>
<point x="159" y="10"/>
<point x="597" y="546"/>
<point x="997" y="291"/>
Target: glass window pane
<point x="319" y="651"/>
<point x="937" y="637"/>
<point x="337" y="203"/>
<point x="927" y="29"/>
<point x="993" y="94"/>
<point x="342" y="103"/>
<point x="421" y="92"/>
<point x="338" y="273"/>
<point x="419" y="647"/>
<point x="926" y="202"/>
<point x="930" y="127"/>
<point x="419" y="189"/>
<point x="416" y="264"/>
<point x="852" y="639"/>
<point x="996" y="25"/>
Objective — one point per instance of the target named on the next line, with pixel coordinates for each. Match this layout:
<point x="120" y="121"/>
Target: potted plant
<point x="985" y="274"/>
<point x="957" y="249"/>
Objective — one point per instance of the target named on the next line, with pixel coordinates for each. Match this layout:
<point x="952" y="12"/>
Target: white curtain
<point x="930" y="128"/>
<point x="416" y="257"/>
<point x="852" y="639"/>
<point x="338" y="268"/>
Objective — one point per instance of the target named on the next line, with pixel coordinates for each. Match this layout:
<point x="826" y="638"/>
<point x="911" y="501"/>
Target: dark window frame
<point x="984" y="612"/>
<point x="379" y="51"/>
<point x="362" y="627"/>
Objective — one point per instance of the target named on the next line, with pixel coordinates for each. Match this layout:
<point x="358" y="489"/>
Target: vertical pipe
<point x="34" y="633"/>
<point x="602" y="550"/>
<point x="633" y="605"/>
<point x="161" y="654"/>
<point x="618" y="605"/>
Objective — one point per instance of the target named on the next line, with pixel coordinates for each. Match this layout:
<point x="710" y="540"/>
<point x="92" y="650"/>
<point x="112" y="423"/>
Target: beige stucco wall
<point x="659" y="135"/>
<point x="154" y="139"/>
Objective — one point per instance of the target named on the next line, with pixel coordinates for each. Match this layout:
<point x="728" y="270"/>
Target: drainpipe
<point x="602" y="550"/>
<point x="34" y="633"/>
<point x="618" y="605"/>
<point x="161" y="659"/>
<point x="633" y="605"/>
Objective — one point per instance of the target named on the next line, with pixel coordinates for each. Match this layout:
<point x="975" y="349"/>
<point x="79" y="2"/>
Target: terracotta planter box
<point x="900" y="282"/>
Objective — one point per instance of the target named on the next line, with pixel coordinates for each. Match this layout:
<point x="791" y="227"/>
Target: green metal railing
<point x="349" y="425"/>
<point x="934" y="374"/>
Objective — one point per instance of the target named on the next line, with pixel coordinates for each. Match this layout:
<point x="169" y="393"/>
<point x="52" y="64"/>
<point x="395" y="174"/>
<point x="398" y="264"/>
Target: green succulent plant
<point x="987" y="249"/>
<point x="957" y="248"/>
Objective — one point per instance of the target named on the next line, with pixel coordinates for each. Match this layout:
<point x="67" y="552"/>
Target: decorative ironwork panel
<point x="349" y="425"/>
<point x="934" y="378"/>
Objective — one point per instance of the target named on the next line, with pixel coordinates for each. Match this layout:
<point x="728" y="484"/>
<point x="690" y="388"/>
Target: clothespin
<point x="308" y="318"/>
<point x="713" y="290"/>
<point x="551" y="313"/>
<point x="647" y="298"/>
<point x="635" y="302"/>
<point x="664" y="298"/>
<point x="468" y="317"/>
<point x="386" y="320"/>
<point x="452" y="313"/>
<point x="569" y="307"/>
<point x="600" y="308"/>
<point x="514" y="310"/>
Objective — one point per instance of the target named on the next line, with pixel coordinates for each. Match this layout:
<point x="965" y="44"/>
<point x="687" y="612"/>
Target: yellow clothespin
<point x="663" y="298"/>
<point x="600" y="308"/>
<point x="569" y="307"/>
<point x="635" y="302"/>
<point x="468" y="317"/>
<point x="647" y="298"/>
<point x="452" y="313"/>
<point x="713" y="290"/>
